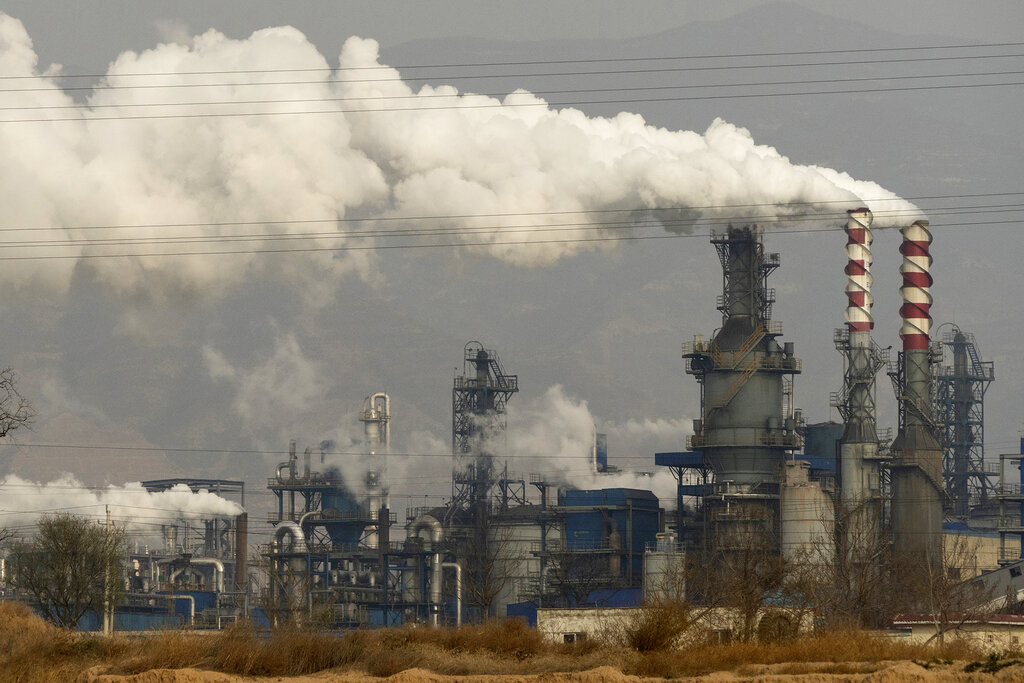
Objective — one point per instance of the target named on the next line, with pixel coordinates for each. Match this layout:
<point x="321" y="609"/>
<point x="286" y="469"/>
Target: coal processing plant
<point x="757" y="484"/>
<point x="758" y="490"/>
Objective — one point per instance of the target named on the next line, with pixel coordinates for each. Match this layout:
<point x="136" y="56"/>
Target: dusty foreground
<point x="32" y="651"/>
<point x="807" y="672"/>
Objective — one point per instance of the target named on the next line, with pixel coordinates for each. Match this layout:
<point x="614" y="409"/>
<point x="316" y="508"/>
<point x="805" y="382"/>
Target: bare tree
<point x="572" y="575"/>
<point x="15" y="413"/>
<point x="941" y="592"/>
<point x="491" y="557"/>
<point x="15" y="410"/>
<point x="70" y="568"/>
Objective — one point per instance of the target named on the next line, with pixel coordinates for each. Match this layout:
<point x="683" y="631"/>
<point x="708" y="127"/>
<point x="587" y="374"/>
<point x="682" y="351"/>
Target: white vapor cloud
<point x="191" y="172"/>
<point x="130" y="504"/>
<point x="554" y="435"/>
<point x="275" y="397"/>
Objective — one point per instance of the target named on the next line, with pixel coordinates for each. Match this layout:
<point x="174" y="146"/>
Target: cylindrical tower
<point x="376" y="419"/>
<point x="747" y="426"/>
<point x="917" y="470"/>
<point x="859" y="507"/>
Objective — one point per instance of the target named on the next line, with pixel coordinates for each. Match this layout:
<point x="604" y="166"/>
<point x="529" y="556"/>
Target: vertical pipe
<point x="1020" y="467"/>
<point x="242" y="551"/>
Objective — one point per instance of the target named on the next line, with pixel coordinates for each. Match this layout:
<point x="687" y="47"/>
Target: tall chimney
<point x="859" y="508"/>
<point x="242" y="551"/>
<point x="917" y="470"/>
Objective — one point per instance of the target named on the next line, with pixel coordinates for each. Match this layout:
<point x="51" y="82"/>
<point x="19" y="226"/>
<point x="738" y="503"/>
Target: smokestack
<point x="916" y="289"/>
<point x="917" y="470"/>
<point x="859" y="505"/>
<point x="242" y="551"/>
<point x="858" y="271"/>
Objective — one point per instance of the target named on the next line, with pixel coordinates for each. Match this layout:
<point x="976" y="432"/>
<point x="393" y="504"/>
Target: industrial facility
<point x="756" y="486"/>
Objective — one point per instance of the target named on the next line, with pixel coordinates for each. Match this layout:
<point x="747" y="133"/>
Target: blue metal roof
<point x="680" y="459"/>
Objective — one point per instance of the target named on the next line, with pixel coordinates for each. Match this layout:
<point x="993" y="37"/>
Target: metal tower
<point x="960" y="410"/>
<point x="747" y="425"/>
<point x="376" y="419"/>
<point x="478" y="423"/>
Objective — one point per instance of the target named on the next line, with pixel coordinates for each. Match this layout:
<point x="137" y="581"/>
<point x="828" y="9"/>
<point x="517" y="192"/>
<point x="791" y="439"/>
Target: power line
<point x="505" y="105"/>
<point x="545" y="228"/>
<point x="655" y="58"/>
<point x="441" y="245"/>
<point x="439" y="96"/>
<point x="519" y="214"/>
<point x="537" y="74"/>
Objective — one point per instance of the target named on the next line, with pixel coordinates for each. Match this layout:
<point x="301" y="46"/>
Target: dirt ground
<point x="824" y="672"/>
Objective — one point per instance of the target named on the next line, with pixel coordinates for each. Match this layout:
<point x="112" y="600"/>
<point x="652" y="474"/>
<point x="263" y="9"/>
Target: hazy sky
<point x="90" y="31"/>
<point x="210" y="355"/>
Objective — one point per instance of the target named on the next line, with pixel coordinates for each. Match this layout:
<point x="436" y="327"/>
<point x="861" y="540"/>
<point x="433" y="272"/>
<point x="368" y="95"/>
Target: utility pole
<point x="108" y="615"/>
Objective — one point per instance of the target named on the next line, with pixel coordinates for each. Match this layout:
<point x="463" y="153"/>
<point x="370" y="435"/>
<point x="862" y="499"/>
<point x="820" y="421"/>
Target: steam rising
<point x="436" y="152"/>
<point x="130" y="504"/>
<point x="554" y="436"/>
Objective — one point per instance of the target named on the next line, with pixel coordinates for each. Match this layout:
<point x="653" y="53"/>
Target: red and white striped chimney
<point x="917" y="281"/>
<point x="858" y="271"/>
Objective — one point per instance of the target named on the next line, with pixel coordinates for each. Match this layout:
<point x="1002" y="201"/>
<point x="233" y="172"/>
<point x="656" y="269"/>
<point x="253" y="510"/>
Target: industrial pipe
<point x="242" y="550"/>
<point x="419" y="524"/>
<point x="292" y="529"/>
<point x="191" y="606"/>
<point x="458" y="589"/>
<point x="218" y="566"/>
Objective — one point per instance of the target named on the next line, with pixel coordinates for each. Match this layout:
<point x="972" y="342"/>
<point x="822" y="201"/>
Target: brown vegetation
<point x="32" y="650"/>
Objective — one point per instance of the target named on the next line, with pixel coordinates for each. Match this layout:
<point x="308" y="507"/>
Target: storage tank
<point x="808" y="518"/>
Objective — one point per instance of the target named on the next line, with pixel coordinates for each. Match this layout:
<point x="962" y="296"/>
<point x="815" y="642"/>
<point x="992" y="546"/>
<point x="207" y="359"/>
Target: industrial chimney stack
<point x="917" y="492"/>
<point x="859" y="509"/>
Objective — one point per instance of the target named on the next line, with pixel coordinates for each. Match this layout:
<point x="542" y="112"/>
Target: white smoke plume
<point x="554" y="436"/>
<point x="131" y="505"/>
<point x="275" y="398"/>
<point x="191" y="171"/>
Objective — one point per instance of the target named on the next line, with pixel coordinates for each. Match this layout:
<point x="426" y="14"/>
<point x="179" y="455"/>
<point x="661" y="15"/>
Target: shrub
<point x="658" y="626"/>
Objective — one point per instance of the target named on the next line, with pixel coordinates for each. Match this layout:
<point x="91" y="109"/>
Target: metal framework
<point x="478" y="422"/>
<point x="747" y="417"/>
<point x="960" y="411"/>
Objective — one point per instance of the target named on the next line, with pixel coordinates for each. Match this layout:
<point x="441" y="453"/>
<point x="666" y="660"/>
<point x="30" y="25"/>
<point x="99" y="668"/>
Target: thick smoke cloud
<point x="435" y="152"/>
<point x="130" y="504"/>
<point x="554" y="436"/>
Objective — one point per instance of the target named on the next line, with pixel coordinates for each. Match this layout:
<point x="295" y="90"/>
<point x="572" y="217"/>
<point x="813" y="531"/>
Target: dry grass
<point x="835" y="647"/>
<point x="31" y="650"/>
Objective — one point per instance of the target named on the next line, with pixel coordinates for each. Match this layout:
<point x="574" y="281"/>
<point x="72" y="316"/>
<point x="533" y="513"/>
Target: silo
<point x="808" y="518"/>
<point x="747" y="424"/>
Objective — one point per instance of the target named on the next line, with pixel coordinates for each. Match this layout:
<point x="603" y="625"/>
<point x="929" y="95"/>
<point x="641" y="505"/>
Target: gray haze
<point x="285" y="346"/>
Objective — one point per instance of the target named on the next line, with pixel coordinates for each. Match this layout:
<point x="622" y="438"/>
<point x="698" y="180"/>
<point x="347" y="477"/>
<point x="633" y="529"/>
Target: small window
<point x="1015" y="572"/>
<point x="574" y="637"/>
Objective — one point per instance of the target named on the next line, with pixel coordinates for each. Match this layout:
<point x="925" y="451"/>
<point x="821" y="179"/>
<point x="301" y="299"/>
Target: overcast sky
<point x="243" y="352"/>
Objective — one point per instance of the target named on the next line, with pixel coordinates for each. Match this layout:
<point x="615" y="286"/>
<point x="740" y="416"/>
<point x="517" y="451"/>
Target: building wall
<point x="611" y="624"/>
<point x="975" y="552"/>
<point x="990" y="637"/>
